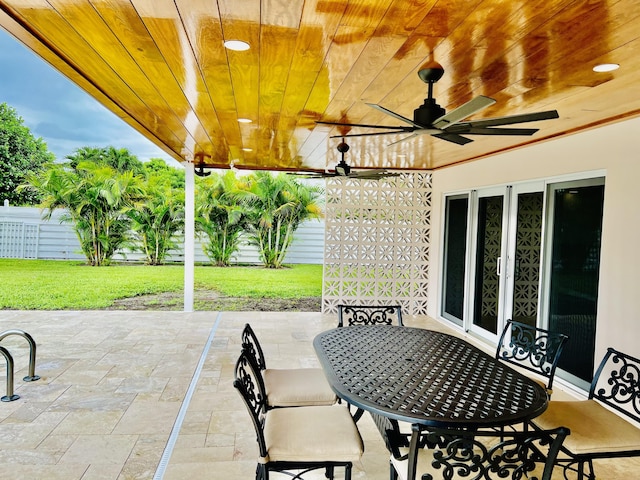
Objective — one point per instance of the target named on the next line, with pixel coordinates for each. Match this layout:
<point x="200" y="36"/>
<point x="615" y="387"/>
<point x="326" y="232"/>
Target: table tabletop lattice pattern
<point x="425" y="377"/>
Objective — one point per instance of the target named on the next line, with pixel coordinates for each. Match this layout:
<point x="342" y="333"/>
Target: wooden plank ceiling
<point x="162" y="67"/>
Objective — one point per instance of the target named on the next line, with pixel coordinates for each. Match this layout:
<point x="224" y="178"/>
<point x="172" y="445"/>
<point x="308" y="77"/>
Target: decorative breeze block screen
<point x="377" y="236"/>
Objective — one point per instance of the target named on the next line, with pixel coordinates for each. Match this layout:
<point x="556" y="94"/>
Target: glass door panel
<point x="574" y="272"/>
<point x="455" y="255"/>
<point x="525" y="268"/>
<point x="488" y="263"/>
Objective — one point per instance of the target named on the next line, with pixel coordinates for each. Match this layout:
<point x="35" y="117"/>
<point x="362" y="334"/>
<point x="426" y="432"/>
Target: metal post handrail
<point x="32" y="377"/>
<point x="9" y="397"/>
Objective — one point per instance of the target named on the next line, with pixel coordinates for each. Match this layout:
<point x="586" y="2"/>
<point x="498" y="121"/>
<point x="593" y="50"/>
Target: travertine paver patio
<point x="142" y="395"/>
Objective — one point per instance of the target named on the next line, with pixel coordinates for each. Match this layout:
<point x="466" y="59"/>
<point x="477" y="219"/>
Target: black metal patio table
<point x="425" y="377"/>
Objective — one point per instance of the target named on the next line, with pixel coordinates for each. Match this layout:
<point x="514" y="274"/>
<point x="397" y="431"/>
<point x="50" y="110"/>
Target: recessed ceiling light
<point x="237" y="45"/>
<point x="606" y="67"/>
<point x="244" y="120"/>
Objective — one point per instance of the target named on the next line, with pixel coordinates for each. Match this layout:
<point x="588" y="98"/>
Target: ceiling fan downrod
<point x="342" y="168"/>
<point x="429" y="111"/>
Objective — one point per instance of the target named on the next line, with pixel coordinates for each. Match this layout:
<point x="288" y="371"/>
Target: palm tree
<point x="277" y="205"/>
<point x="220" y="217"/>
<point x="157" y="221"/>
<point x="96" y="199"/>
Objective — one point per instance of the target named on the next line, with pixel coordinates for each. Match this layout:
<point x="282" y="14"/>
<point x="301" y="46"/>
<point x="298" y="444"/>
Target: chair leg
<point x="393" y="475"/>
<point x="347" y="472"/>
<point x="328" y="472"/>
<point x="262" y="473"/>
<point x="592" y="474"/>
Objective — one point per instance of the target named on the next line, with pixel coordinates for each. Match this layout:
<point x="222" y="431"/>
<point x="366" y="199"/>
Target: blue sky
<point x="63" y="114"/>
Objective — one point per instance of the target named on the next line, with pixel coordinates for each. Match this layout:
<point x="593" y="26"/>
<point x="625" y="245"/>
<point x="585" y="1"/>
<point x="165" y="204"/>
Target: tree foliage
<point x="220" y="217"/>
<point x="120" y="159"/>
<point x="168" y="175"/>
<point x="20" y="155"/>
<point x="277" y="204"/>
<point x="97" y="199"/>
<point x="159" y="218"/>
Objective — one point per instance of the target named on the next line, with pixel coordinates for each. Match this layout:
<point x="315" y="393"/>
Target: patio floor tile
<point x="114" y="384"/>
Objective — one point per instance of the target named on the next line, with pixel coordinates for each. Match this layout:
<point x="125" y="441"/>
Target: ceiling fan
<point x="344" y="170"/>
<point x="430" y="118"/>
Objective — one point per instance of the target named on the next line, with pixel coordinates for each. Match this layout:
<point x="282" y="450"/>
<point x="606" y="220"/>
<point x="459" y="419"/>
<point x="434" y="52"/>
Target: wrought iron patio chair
<point x="598" y="432"/>
<point x="439" y="453"/>
<point x="534" y="349"/>
<point x="288" y="387"/>
<point x="300" y="439"/>
<point x="369" y="315"/>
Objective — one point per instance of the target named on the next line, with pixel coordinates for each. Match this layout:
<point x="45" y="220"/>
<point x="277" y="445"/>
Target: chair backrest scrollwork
<point x="369" y="315"/>
<point x="532" y="348"/>
<point x="248" y="382"/>
<point x="251" y="345"/>
<point x="477" y="454"/>
<point x="617" y="383"/>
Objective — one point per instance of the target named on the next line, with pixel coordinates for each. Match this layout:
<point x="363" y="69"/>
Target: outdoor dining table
<point x="425" y="377"/>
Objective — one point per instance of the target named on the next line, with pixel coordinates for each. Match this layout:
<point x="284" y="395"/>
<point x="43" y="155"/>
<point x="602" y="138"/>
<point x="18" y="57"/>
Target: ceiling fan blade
<point x="491" y="131"/>
<point x="393" y="114"/>
<point x="405" y="130"/>
<point x="463" y="111"/>
<point x="453" y="138"/>
<point x="312" y="174"/>
<point x="397" y="127"/>
<point x="403" y="139"/>
<point x="508" y="120"/>
<point x="372" y="174"/>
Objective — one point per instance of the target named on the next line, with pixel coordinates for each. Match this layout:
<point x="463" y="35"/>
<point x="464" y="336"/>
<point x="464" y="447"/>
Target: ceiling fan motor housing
<point x="428" y="112"/>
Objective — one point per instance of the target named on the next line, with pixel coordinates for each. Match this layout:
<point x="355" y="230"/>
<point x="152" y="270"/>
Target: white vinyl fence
<point x="23" y="234"/>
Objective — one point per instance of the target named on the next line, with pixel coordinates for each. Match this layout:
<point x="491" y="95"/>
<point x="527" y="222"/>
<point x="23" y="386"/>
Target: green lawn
<point x="69" y="285"/>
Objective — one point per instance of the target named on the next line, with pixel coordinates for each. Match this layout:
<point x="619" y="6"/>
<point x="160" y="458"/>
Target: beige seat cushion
<point x="297" y="387"/>
<point x="312" y="434"/>
<point x="594" y="429"/>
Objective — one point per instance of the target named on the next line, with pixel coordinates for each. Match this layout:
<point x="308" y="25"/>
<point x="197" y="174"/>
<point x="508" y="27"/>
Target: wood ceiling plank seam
<point x="389" y="24"/>
<point x="340" y="78"/>
<point x="279" y="25"/>
<point x="240" y="20"/>
<point x="194" y="29"/>
<point x="552" y="10"/>
<point x="361" y="113"/>
<point x="352" y="29"/>
<point x="126" y="25"/>
<point x="205" y="31"/>
<point x="365" y="33"/>
<point x="295" y="85"/>
<point x="274" y="73"/>
<point x="441" y="50"/>
<point x="192" y="85"/>
<point x="441" y="87"/>
<point x="55" y="59"/>
<point x="591" y="79"/>
<point x="38" y="25"/>
<point x="104" y="46"/>
<point x="320" y="84"/>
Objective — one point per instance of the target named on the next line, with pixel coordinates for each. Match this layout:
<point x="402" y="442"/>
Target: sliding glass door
<point x="573" y="272"/>
<point x="528" y="252"/>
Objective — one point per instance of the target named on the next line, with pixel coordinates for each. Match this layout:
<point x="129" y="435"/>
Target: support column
<point x="189" y="235"/>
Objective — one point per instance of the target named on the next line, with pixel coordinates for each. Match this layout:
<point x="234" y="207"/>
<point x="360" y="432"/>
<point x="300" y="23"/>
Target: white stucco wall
<point x="612" y="150"/>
